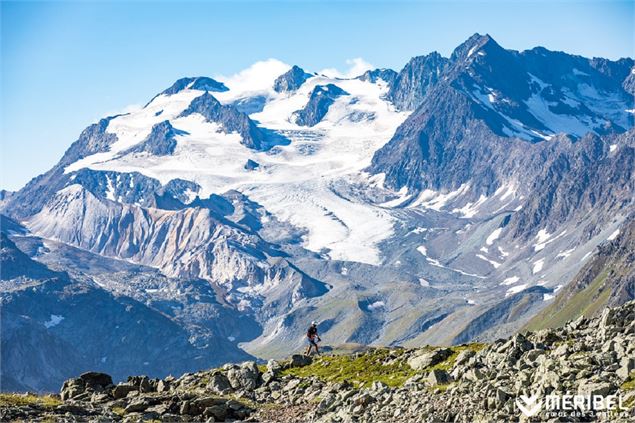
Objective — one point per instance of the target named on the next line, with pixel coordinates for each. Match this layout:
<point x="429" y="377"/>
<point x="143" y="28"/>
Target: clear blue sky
<point x="65" y="64"/>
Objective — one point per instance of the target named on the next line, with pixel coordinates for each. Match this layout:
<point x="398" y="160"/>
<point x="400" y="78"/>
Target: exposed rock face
<point x="427" y="359"/>
<point x="482" y="382"/>
<point x="251" y="165"/>
<point x="629" y="82"/>
<point x="291" y="80"/>
<point x="160" y="142"/>
<point x="410" y="85"/>
<point x="210" y="248"/>
<point x="46" y="335"/>
<point x="230" y="119"/>
<point x="322" y="97"/>
<point x="386" y="75"/>
<point x="202" y="83"/>
<point x="136" y="188"/>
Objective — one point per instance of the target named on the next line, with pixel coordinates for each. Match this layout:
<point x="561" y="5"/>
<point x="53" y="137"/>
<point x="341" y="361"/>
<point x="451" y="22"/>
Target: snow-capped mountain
<point x="446" y="202"/>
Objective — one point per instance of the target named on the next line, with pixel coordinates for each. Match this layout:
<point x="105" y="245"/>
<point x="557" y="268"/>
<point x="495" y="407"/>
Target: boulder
<point x="267" y="377"/>
<point x="163" y="386"/>
<point x="274" y="366"/>
<point x="122" y="390"/>
<point x="596" y="388"/>
<point x="143" y="383"/>
<point x="72" y="388"/>
<point x="300" y="360"/>
<point x="429" y="358"/>
<point x="96" y="380"/>
<point x="137" y="406"/>
<point x="473" y="375"/>
<point x="438" y="377"/>
<point x="218" y="382"/>
<point x="627" y="365"/>
<point x="463" y="357"/>
<point x="219" y="412"/>
<point x="246" y="376"/>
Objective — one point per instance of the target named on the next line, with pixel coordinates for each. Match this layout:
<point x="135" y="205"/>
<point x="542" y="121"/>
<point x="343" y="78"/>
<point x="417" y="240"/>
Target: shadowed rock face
<point x="291" y="80"/>
<point x="322" y="97"/>
<point x="387" y="75"/>
<point x="202" y="83"/>
<point x="160" y="142"/>
<point x="463" y="132"/>
<point x="46" y="332"/>
<point x="36" y="192"/>
<point x="229" y="118"/>
<point x="410" y="85"/>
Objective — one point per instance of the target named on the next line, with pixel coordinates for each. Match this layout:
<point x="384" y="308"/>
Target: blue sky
<point x="65" y="64"/>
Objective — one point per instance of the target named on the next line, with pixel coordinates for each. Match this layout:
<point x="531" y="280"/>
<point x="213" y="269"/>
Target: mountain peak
<point x="475" y="43"/>
<point x="291" y="80"/>
<point x="202" y="83"/>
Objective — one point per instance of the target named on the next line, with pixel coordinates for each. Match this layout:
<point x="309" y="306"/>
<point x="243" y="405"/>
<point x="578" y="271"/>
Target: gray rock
<point x="96" y="379"/>
<point x="163" y="386"/>
<point x="245" y="376"/>
<point x="218" y="382"/>
<point x="218" y="412"/>
<point x="290" y="80"/>
<point x="473" y="375"/>
<point x="438" y="377"/>
<point x="137" y="406"/>
<point x="429" y="358"/>
<point x="300" y="360"/>
<point x="321" y="99"/>
<point x="72" y="388"/>
<point x="596" y="388"/>
<point x="463" y="357"/>
<point x="122" y="390"/>
<point x="627" y="365"/>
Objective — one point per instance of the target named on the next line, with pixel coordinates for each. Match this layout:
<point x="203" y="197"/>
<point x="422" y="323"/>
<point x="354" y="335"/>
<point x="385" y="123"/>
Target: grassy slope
<point x="587" y="302"/>
<point x="380" y="364"/>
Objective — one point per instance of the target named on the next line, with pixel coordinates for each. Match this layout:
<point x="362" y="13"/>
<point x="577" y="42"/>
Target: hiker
<point x="313" y="338"/>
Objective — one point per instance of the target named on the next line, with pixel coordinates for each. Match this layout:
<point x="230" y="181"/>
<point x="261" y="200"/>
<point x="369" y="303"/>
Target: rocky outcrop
<point x="462" y="384"/>
<point x="202" y="83"/>
<point x="291" y="80"/>
<point x="411" y="84"/>
<point x="386" y="75"/>
<point x="322" y="97"/>
<point x="230" y="119"/>
<point x="160" y="142"/>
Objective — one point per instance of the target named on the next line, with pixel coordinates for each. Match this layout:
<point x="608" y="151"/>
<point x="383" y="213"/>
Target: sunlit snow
<point x="296" y="182"/>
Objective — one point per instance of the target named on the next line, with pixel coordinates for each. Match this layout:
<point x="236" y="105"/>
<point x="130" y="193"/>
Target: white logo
<point x="530" y="406"/>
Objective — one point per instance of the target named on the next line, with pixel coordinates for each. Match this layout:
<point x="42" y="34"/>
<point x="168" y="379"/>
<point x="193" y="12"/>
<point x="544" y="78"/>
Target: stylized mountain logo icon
<point x="530" y="406"/>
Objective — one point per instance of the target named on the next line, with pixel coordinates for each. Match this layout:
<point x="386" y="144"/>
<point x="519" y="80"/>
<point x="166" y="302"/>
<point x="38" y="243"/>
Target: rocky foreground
<point x="472" y="382"/>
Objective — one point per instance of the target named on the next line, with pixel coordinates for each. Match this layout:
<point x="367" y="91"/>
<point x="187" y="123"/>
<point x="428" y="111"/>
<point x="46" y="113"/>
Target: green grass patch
<point x="45" y="401"/>
<point x="361" y="370"/>
<point x="629" y="384"/>
<point x="587" y="302"/>
<point x="120" y="411"/>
